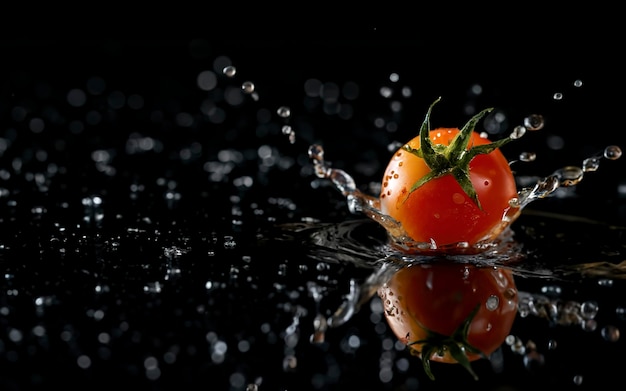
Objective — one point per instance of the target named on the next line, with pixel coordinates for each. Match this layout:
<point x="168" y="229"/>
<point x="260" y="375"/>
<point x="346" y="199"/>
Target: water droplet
<point x="153" y="287"/>
<point x="533" y="359"/>
<point x="492" y="303"/>
<point x="290" y="363"/>
<point x="528" y="156"/>
<point x="547" y="186"/>
<point x="288" y="131"/>
<point x="621" y="313"/>
<point x="510" y="293"/>
<point x="319" y="325"/>
<point x="612" y="152"/>
<point x="589" y="309"/>
<point x="578" y="380"/>
<point x="229" y="71"/>
<point x="552" y="344"/>
<point x="569" y="176"/>
<point x="510" y="339"/>
<point x="518" y="346"/>
<point x="551" y="290"/>
<point x="283" y="111"/>
<point x="316" y="152"/>
<point x="610" y="333"/>
<point x="386" y="92"/>
<point x="557" y="96"/>
<point x="518" y="132"/>
<point x="229" y="242"/>
<point x="247" y="87"/>
<point x="534" y="122"/>
<point x="591" y="164"/>
<point x="589" y="325"/>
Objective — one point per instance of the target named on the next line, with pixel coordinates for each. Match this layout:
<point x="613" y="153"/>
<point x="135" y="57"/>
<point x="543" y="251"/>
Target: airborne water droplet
<point x="527" y="156"/>
<point x="589" y="309"/>
<point x="610" y="333"/>
<point x="591" y="164"/>
<point x="569" y="176"/>
<point x="518" y="132"/>
<point x="284" y="111"/>
<point x="247" y="87"/>
<point x="288" y="131"/>
<point x="612" y="152"/>
<point x="578" y="380"/>
<point x="534" y="122"/>
<point x="316" y="152"/>
<point x="229" y="71"/>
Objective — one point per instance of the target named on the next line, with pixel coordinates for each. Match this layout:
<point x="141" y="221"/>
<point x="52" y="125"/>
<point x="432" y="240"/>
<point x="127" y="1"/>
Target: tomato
<point x="450" y="312"/>
<point x="449" y="187"/>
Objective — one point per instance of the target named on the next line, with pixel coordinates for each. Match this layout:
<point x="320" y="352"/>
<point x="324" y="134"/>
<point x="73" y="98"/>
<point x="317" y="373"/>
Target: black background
<point x="59" y="256"/>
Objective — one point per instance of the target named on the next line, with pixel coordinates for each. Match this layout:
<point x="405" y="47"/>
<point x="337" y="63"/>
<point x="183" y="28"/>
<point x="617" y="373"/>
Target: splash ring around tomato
<point x="450" y="312"/>
<point x="450" y="188"/>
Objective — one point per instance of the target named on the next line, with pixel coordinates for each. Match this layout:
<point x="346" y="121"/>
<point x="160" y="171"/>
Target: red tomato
<point x="450" y="312"/>
<point x="466" y="187"/>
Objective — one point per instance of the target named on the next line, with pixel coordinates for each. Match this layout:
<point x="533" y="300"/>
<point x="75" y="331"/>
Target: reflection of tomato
<point x="450" y="312"/>
<point x="448" y="186"/>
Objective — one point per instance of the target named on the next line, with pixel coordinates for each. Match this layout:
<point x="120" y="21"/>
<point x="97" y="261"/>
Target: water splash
<point x="359" y="202"/>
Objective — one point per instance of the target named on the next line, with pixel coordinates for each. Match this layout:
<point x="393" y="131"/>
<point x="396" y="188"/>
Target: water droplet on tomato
<point x="492" y="303"/>
<point x="458" y="198"/>
<point x="510" y="293"/>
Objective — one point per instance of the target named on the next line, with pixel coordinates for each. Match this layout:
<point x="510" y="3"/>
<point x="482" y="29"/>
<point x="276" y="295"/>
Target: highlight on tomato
<point x="450" y="188"/>
<point x="450" y="312"/>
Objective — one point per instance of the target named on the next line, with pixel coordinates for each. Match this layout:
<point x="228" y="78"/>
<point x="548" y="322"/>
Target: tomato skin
<point x="440" y="211"/>
<point x="439" y="296"/>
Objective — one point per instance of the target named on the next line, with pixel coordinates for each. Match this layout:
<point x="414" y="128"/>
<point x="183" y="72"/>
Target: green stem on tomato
<point x="453" y="159"/>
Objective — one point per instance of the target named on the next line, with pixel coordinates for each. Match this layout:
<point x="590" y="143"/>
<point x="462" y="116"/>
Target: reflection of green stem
<point x="456" y="345"/>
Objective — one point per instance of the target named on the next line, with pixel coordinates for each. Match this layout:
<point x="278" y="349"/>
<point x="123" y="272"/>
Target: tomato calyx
<point x="453" y="159"/>
<point x="456" y="345"/>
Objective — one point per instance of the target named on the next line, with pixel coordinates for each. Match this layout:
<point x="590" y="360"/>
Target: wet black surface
<point x="142" y="216"/>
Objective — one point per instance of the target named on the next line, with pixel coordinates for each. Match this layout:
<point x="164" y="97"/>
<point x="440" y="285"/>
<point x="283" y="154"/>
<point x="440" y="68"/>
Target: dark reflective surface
<point x="159" y="229"/>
